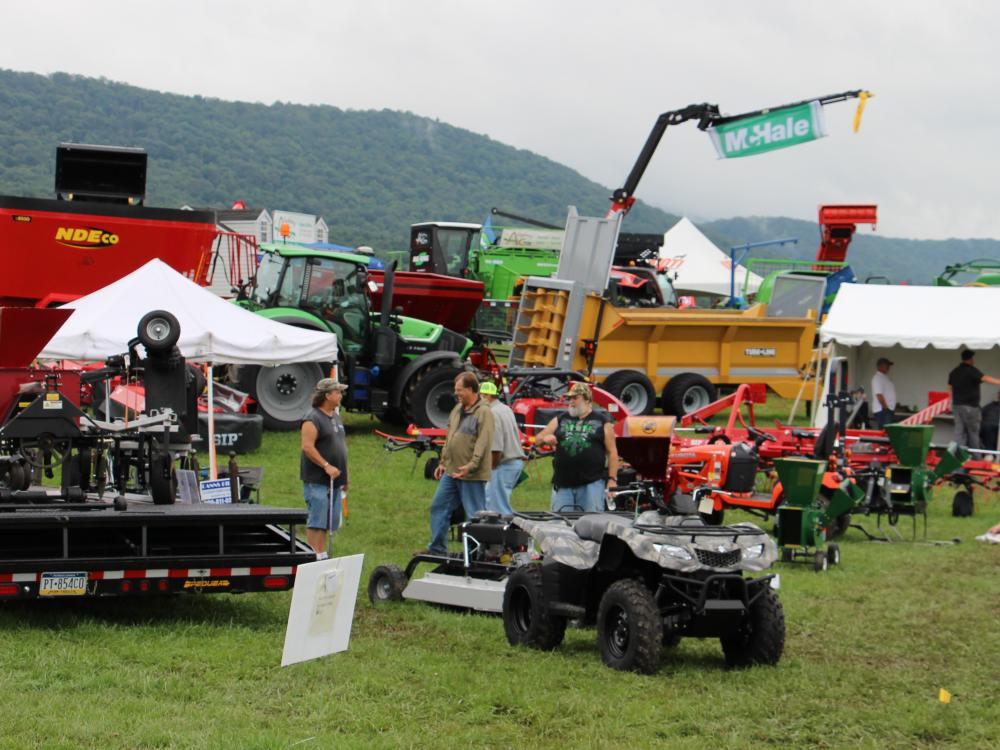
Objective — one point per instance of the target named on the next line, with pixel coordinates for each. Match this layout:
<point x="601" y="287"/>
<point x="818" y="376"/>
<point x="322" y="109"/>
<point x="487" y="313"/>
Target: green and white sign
<point x="770" y="131"/>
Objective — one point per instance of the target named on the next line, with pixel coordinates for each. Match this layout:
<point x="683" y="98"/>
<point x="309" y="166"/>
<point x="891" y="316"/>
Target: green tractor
<point x="986" y="273"/>
<point x="399" y="368"/>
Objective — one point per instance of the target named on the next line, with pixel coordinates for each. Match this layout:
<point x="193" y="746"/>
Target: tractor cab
<point x="328" y="287"/>
<point x="441" y="247"/>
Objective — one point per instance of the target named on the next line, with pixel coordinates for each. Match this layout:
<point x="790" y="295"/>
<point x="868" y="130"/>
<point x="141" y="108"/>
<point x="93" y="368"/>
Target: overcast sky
<point x="582" y="83"/>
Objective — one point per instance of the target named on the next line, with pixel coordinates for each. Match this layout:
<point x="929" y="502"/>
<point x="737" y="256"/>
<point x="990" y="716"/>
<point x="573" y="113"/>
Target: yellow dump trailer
<point x="677" y="356"/>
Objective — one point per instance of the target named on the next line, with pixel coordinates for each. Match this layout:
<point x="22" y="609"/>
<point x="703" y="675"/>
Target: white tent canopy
<point x="212" y="330"/>
<point x="701" y="267"/>
<point x="921" y="329"/>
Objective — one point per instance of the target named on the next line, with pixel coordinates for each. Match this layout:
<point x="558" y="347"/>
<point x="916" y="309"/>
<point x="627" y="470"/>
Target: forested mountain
<point x="369" y="174"/>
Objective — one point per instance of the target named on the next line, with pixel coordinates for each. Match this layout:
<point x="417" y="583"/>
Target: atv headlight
<point x="753" y="552"/>
<point x="672" y="550"/>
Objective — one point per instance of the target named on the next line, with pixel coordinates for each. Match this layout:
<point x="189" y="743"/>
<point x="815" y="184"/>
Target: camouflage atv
<point x="646" y="582"/>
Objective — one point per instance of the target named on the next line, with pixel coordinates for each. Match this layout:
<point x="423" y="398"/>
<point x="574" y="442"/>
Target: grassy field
<point x="869" y="646"/>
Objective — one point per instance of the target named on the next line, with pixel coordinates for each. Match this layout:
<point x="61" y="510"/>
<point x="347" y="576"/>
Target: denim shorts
<point x="317" y="498"/>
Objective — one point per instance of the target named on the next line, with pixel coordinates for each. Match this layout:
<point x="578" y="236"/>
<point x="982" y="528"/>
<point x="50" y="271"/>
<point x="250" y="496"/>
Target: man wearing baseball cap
<point x="963" y="385"/>
<point x="883" y="394"/>
<point x="585" y="464"/>
<point x="508" y="456"/>
<point x="323" y="465"/>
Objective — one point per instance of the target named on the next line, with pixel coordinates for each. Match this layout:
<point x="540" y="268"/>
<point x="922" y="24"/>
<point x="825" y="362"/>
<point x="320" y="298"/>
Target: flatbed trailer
<point x="54" y="549"/>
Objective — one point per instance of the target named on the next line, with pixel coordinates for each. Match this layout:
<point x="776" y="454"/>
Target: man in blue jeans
<point x="508" y="456"/>
<point x="465" y="465"/>
<point x="585" y="464"/>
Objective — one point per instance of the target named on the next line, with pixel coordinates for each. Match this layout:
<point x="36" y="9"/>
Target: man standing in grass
<point x="963" y="384"/>
<point x="508" y="456"/>
<point x="465" y="461"/>
<point x="323" y="466"/>
<point x="585" y="464"/>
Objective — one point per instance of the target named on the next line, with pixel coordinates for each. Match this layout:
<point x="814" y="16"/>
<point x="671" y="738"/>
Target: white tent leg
<point x="213" y="469"/>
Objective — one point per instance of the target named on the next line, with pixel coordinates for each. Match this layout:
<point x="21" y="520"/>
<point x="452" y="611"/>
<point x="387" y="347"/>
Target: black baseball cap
<point x="968" y="354"/>
<point x="884" y="361"/>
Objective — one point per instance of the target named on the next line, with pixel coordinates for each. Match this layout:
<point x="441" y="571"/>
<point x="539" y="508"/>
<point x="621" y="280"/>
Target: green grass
<point x="868" y="647"/>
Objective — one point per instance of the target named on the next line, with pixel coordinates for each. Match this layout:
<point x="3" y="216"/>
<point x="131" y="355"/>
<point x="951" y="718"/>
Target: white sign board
<point x="301" y="227"/>
<point x="216" y="491"/>
<point x="322" y="611"/>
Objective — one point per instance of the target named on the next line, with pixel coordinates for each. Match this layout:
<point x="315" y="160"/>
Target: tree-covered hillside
<point x="909" y="261"/>
<point x="369" y="174"/>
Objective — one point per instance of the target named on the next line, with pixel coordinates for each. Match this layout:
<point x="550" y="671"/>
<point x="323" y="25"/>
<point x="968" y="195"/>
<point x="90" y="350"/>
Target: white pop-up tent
<point x="921" y="329"/>
<point x="212" y="330"/>
<point x="701" y="267"/>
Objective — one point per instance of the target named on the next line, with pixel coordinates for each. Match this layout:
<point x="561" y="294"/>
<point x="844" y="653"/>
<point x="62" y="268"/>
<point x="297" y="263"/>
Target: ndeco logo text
<point x="85" y="237"/>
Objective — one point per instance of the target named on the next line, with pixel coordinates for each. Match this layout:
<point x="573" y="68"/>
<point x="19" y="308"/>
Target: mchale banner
<point x="779" y="128"/>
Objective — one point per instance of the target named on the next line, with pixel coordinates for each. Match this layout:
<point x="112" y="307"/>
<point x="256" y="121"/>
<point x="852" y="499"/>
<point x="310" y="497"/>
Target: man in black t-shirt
<point x="323" y="464"/>
<point x="963" y="384"/>
<point x="583" y="439"/>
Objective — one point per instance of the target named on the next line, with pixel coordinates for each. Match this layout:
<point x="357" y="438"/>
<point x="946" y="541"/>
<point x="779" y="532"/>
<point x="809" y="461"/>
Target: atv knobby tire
<point x="629" y="628"/>
<point x="760" y="639"/>
<point x="526" y="617"/>
<point x="386" y="584"/>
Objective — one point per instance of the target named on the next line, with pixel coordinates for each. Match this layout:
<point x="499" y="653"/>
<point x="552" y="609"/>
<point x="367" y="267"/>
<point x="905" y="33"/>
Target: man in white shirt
<point x="883" y="394"/>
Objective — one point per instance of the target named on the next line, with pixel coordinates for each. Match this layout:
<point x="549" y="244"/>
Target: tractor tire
<point x="760" y="638"/>
<point x="961" y="504"/>
<point x="633" y="389"/>
<point x="629" y="628"/>
<point x="686" y="393"/>
<point x="386" y="584"/>
<point x="431" y="396"/>
<point x="526" y="617"/>
<point x="283" y="393"/>
<point x="162" y="479"/>
<point x="158" y="331"/>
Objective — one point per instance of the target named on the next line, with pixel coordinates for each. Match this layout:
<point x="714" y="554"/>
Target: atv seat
<point x="594" y="526"/>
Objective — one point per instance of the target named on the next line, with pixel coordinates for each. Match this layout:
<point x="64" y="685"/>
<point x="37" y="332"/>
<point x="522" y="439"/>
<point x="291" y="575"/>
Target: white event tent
<point x="701" y="267"/>
<point x="212" y="330"/>
<point x="921" y="329"/>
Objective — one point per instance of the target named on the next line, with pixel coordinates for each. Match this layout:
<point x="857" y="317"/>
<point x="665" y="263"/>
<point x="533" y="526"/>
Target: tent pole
<point x="213" y="469"/>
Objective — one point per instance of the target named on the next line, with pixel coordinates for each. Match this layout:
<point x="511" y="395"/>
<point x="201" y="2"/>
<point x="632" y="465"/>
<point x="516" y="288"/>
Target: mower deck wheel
<point x="833" y="554"/>
<point x="820" y="562"/>
<point x="386" y="584"/>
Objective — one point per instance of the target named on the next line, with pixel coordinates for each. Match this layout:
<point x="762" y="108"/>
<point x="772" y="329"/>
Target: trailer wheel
<point x="283" y="393"/>
<point x="431" y="466"/>
<point x="760" y="638"/>
<point x="386" y="584"/>
<point x="431" y="395"/>
<point x="158" y="331"/>
<point x="820" y="561"/>
<point x="162" y="478"/>
<point x="961" y="504"/>
<point x="526" y="617"/>
<point x="629" y="628"/>
<point x="633" y="389"/>
<point x="686" y="393"/>
<point x="833" y="554"/>
<point x="839" y="526"/>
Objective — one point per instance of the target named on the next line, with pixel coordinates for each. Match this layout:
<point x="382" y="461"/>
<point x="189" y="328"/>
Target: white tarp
<point x="701" y="267"/>
<point x="212" y="330"/>
<point x="914" y="317"/>
<point x="921" y="329"/>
